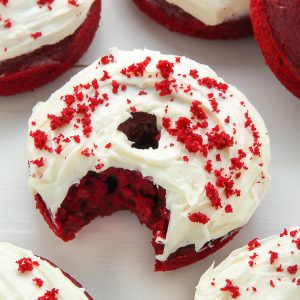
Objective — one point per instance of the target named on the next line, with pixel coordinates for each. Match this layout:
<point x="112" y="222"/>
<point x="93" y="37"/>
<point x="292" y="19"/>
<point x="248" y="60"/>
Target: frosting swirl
<point x="213" y="153"/>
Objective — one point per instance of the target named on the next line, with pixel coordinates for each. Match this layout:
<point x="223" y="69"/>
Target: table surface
<point x="112" y="257"/>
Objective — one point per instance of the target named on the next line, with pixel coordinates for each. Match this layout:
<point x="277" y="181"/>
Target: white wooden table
<point x="112" y="257"/>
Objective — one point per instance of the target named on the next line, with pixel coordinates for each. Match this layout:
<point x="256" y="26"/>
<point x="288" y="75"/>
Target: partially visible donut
<point x="24" y="275"/>
<point x="276" y="26"/>
<point x="209" y="19"/>
<point x="34" y="51"/>
<point x="161" y="136"/>
<point x="263" y="269"/>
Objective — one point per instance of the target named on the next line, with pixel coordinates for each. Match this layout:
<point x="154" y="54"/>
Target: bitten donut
<point x="210" y="19"/>
<point x="161" y="136"/>
<point x="264" y="269"/>
<point x="41" y="39"/>
<point x="276" y="25"/>
<point x="24" y="276"/>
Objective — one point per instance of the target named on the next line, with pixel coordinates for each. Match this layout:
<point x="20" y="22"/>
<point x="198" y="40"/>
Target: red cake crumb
<point x="175" y="19"/>
<point x="253" y="244"/>
<point x="166" y="68"/>
<point x="137" y="69"/>
<point x="50" y="295"/>
<point x="199" y="218"/>
<point x="48" y="62"/>
<point x="26" y="264"/>
<point x="39" y="282"/>
<point x="164" y="87"/>
<point x="273" y="257"/>
<point x="213" y="195"/>
<point x="234" y="290"/>
<point x="292" y="269"/>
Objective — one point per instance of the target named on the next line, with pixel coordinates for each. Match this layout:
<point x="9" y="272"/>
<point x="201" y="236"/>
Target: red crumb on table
<point x="36" y="35"/>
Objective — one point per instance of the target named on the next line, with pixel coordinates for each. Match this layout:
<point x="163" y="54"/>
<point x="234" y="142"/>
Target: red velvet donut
<point x="29" y="71"/>
<point x="276" y="26"/>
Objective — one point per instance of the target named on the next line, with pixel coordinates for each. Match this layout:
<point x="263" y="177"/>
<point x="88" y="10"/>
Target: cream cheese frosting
<point x="214" y="12"/>
<point x="26" y="25"/>
<point x="208" y="194"/>
<point x="264" y="269"/>
<point x="24" y="284"/>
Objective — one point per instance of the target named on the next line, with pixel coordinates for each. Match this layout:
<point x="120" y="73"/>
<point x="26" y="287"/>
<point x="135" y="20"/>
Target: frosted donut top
<point x="213" y="154"/>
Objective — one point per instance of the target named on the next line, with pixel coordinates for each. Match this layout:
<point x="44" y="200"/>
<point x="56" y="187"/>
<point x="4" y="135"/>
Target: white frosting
<point x="15" y="285"/>
<point x="27" y="18"/>
<point x="260" y="276"/>
<point x="214" y="12"/>
<point x="184" y="182"/>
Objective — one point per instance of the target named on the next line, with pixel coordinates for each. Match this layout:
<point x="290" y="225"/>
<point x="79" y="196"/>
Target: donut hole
<point x="112" y="184"/>
<point x="141" y="129"/>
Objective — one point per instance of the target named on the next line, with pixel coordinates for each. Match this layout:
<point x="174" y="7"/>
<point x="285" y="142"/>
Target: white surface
<point x="112" y="256"/>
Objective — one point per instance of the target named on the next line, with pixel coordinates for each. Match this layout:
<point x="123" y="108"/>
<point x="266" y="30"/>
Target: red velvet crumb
<point x="26" y="264"/>
<point x="199" y="218"/>
<point x="50" y="295"/>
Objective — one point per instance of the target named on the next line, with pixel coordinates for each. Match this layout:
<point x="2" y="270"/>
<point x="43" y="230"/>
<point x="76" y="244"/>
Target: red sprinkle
<point x="292" y="269"/>
<point x="39" y="282"/>
<point x="212" y="83"/>
<point x="26" y="264"/>
<point x="228" y="209"/>
<point x="36" y="35"/>
<point x="73" y="2"/>
<point x="137" y="69"/>
<point x="213" y="195"/>
<point x="50" y="295"/>
<point x="199" y="218"/>
<point x="40" y="140"/>
<point x="165" y="67"/>
<point x="234" y="290"/>
<point x="39" y="162"/>
<point x="253" y="244"/>
<point x="273" y="256"/>
<point x="164" y="87"/>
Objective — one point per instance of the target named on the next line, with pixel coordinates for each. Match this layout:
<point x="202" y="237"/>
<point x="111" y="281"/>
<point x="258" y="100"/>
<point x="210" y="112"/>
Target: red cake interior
<point x="115" y="189"/>
<point x="175" y="19"/>
<point x="29" y="71"/>
<point x="284" y="19"/>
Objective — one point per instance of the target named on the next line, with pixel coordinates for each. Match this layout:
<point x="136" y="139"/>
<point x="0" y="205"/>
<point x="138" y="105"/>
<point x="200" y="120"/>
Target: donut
<point x="209" y="19"/>
<point x="263" y="269"/>
<point x="276" y="26"/>
<point x="34" y="51"/>
<point x="159" y="135"/>
<point x="24" y="275"/>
